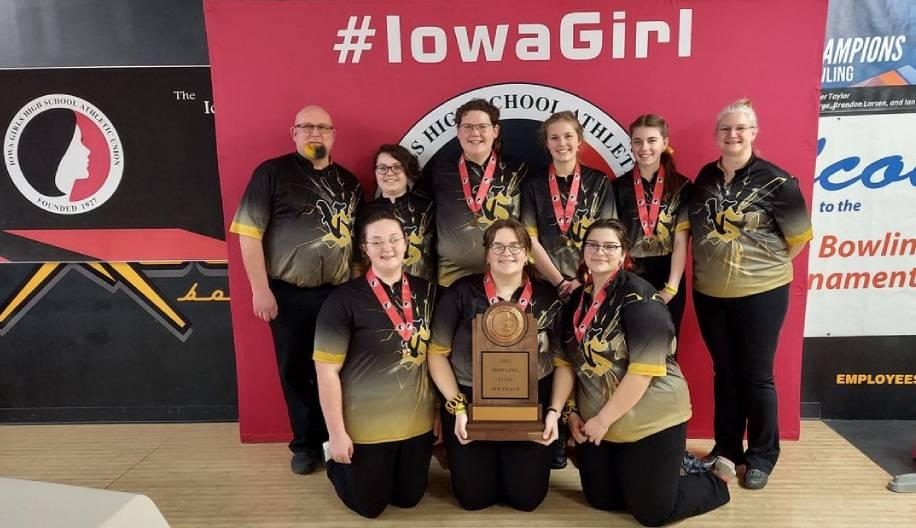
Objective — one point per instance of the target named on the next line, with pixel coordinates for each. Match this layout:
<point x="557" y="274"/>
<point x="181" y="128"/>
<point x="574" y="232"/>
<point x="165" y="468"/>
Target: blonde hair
<point x="564" y="115"/>
<point x="741" y="106"/>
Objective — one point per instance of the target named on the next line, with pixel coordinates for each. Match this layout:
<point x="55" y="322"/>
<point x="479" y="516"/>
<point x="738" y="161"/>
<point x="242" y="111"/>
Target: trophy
<point x="505" y="376"/>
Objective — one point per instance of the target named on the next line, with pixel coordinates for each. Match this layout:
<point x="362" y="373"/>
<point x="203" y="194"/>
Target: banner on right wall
<point x="860" y="330"/>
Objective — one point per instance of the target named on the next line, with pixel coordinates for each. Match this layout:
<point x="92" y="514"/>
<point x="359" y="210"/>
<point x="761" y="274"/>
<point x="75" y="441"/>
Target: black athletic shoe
<point x="303" y="463"/>
<point x="559" y="455"/>
<point x="559" y="448"/>
<point x="755" y="479"/>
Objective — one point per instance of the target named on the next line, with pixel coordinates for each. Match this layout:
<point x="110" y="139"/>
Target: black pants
<point x="484" y="473"/>
<point x="294" y="342"/>
<point x="382" y="474"/>
<point x="741" y="335"/>
<point x="643" y="478"/>
<point x="655" y="271"/>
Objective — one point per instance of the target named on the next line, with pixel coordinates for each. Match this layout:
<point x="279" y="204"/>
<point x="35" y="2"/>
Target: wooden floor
<point x="200" y="475"/>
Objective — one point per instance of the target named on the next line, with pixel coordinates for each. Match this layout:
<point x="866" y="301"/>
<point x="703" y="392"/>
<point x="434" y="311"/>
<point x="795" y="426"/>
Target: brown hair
<point x="404" y="157"/>
<point x="376" y="216"/>
<point x="520" y="233"/>
<point x="673" y="179"/>
<point x="564" y="115"/>
<point x="625" y="244"/>
<point x="484" y="106"/>
<point x="507" y="223"/>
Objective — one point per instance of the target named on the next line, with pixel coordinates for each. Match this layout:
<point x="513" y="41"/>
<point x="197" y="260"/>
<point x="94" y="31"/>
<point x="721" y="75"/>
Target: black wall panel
<point x="115" y="341"/>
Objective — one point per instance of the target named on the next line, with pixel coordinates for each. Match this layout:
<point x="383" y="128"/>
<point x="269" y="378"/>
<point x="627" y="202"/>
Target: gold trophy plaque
<point x="505" y="376"/>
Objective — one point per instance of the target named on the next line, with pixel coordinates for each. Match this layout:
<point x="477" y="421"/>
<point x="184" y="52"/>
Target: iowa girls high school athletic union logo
<point x="63" y="154"/>
<point x="523" y="107"/>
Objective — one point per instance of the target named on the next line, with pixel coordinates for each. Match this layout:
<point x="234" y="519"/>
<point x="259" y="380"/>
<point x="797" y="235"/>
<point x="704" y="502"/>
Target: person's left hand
<point x="461" y="425"/>
<point x="595" y="429"/>
<point x="665" y="295"/>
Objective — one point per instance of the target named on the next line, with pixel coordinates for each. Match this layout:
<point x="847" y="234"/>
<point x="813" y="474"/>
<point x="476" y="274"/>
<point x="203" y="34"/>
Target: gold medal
<point x="474" y="221"/>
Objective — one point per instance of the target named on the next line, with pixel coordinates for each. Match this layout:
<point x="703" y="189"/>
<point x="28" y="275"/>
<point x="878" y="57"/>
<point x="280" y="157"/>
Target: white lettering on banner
<point x="841" y="53"/>
<point x="581" y="37"/>
<point x="591" y="37"/>
<point x="861" y="268"/>
<point x="535" y="47"/>
<point x="882" y="48"/>
<point x="493" y="51"/>
<point x="419" y="37"/>
<point x="355" y="40"/>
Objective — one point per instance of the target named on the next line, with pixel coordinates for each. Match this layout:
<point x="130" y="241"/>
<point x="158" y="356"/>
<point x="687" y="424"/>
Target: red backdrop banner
<point x="393" y="71"/>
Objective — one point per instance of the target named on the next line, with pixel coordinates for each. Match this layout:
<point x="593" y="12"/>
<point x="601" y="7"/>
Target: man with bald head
<point x="295" y="225"/>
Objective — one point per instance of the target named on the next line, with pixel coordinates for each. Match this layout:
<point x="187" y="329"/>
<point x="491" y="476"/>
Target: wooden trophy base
<point x="505" y="423"/>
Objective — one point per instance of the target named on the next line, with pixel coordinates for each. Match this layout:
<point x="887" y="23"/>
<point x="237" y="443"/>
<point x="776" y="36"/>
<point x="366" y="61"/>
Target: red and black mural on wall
<point x="112" y="164"/>
<point x="114" y="300"/>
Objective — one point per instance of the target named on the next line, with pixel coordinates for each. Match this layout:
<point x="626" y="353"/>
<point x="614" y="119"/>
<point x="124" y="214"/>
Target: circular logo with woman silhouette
<point x="63" y="154"/>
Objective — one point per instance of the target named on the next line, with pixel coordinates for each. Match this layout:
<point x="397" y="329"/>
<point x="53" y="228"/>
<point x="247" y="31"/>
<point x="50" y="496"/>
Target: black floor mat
<point x="888" y="443"/>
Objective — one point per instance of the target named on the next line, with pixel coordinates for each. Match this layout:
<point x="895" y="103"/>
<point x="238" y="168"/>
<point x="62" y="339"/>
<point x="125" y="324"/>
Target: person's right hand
<point x="568" y="287"/>
<point x="577" y="428"/>
<point x="461" y="424"/>
<point x="341" y="448"/>
<point x="551" y="429"/>
<point x="264" y="305"/>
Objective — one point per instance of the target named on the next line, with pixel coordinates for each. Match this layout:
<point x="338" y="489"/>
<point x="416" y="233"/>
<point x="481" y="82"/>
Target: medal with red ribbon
<point x="564" y="214"/>
<point x="402" y="325"/>
<point x="476" y="202"/>
<point x="648" y="212"/>
<point x="490" y="288"/>
<point x="582" y="324"/>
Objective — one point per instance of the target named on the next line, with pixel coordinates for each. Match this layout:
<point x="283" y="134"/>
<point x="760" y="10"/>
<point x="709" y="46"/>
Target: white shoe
<point x="724" y="469"/>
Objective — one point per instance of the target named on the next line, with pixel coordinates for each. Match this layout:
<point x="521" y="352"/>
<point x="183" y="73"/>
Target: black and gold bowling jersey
<point x="459" y="242"/>
<point x="304" y="217"/>
<point x="595" y="202"/>
<point x="672" y="216"/>
<point x="387" y="392"/>
<point x="742" y="231"/>
<point x="465" y="300"/>
<point x="631" y="332"/>
<point x="415" y="210"/>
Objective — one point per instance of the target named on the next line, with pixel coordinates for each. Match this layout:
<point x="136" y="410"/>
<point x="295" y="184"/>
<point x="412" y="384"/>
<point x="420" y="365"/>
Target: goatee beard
<point x="314" y="152"/>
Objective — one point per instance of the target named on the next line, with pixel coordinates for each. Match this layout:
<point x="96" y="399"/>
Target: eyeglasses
<point x="467" y="128"/>
<point x="607" y="249"/>
<point x="499" y="249"/>
<point x="379" y="243"/>
<point x="382" y="170"/>
<point x="310" y="128"/>
<point x="740" y="129"/>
